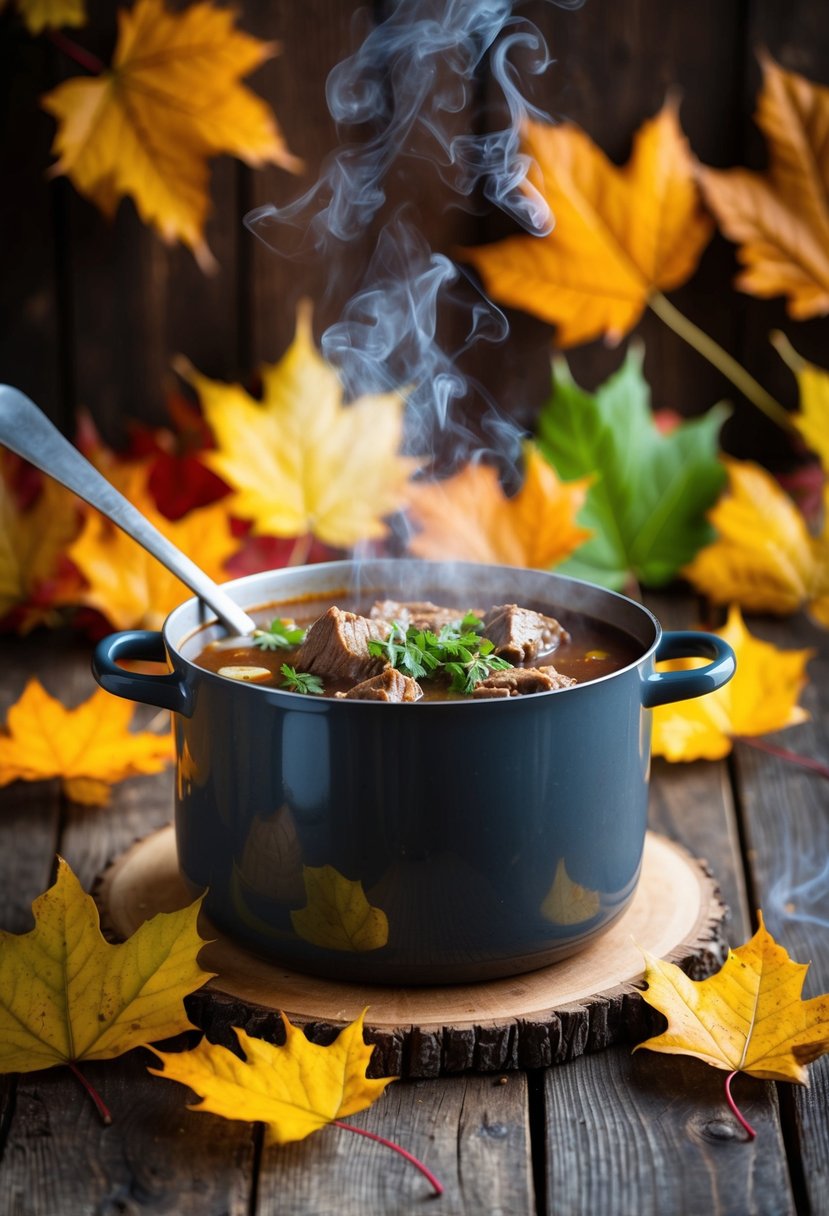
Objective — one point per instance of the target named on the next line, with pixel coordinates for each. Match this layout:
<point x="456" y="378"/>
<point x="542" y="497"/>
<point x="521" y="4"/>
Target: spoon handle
<point x="28" y="432"/>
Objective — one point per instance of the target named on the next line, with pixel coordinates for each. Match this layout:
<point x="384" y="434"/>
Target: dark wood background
<point x="93" y="312"/>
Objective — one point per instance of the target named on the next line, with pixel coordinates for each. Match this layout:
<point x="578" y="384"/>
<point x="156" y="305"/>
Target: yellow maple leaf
<point x="294" y="1089"/>
<point x="812" y="419"/>
<point x="31" y="541"/>
<point x="468" y="516"/>
<point x="764" y="557"/>
<point x="88" y="748"/>
<point x="39" y="15"/>
<point x="780" y="218"/>
<point x="171" y="100"/>
<point x="66" y="994"/>
<point x="126" y="584"/>
<point x="762" y="697"/>
<point x="749" y="1017"/>
<point x="620" y="235"/>
<point x="337" y="915"/>
<point x="300" y="461"/>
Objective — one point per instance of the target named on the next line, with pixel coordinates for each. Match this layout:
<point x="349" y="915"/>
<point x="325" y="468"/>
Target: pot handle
<point x="662" y="687"/>
<point x="165" y="692"/>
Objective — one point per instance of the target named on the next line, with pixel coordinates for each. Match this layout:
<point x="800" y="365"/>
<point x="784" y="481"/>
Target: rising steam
<point x="413" y="72"/>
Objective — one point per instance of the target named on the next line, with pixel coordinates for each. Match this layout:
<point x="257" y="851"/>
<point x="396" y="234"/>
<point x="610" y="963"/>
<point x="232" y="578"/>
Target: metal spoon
<point x="27" y="431"/>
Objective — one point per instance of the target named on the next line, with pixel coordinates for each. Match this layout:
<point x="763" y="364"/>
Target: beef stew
<point x="395" y="651"/>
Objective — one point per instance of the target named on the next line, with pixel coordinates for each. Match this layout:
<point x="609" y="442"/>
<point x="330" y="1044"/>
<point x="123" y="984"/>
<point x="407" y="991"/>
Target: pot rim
<point x="239" y="589"/>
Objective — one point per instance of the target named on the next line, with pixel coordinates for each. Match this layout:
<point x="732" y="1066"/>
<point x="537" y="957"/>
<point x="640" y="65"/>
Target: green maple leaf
<point x="651" y="492"/>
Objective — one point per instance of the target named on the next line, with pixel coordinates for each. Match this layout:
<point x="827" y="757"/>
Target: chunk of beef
<point x="519" y="681"/>
<point x="389" y="685"/>
<point x="336" y="645"/>
<point x="420" y="613"/>
<point x="522" y="635"/>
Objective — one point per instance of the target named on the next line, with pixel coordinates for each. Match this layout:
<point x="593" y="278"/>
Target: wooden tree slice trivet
<point x="581" y="1004"/>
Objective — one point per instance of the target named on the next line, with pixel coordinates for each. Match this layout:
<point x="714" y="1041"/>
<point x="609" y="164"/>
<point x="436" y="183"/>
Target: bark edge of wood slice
<point x="581" y="1004"/>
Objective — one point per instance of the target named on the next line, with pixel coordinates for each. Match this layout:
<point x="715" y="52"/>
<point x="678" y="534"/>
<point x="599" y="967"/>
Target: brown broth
<point x="595" y="649"/>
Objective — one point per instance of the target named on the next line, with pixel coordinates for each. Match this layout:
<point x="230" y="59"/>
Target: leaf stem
<point x="815" y="766"/>
<point x="794" y="362"/>
<point x="427" y="1173"/>
<point x="300" y="550"/>
<point x="101" y="1106"/>
<point x="84" y="59"/>
<point x="735" y="1110"/>
<point x="725" y="363"/>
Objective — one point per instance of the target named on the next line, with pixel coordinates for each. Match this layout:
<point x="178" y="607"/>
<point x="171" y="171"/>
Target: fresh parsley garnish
<point x="280" y="635"/>
<point x="469" y="672"/>
<point x="453" y="640"/>
<point x="301" y="681"/>
<point x="458" y="650"/>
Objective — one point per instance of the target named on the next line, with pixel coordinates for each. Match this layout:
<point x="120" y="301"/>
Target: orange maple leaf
<point x="88" y="748"/>
<point x="124" y="582"/>
<point x="468" y="516"/>
<point x="171" y="100"/>
<point x="762" y="697"/>
<point x="621" y="236"/>
<point x="780" y="218"/>
<point x="764" y="557"/>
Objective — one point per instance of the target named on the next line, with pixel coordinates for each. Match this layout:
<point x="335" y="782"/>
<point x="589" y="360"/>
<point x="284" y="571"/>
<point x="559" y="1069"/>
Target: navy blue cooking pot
<point x="426" y="843"/>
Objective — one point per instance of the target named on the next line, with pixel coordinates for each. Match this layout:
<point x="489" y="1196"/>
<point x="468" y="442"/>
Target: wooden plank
<point x="796" y="35"/>
<point x="693" y="803"/>
<point x="29" y="826"/>
<point x="136" y="304"/>
<point x="651" y="1134"/>
<point x="786" y="811"/>
<point x="472" y="1133"/>
<point x="156" y="1156"/>
<point x="314" y="37"/>
<point x="30" y="335"/>
<point x="93" y="836"/>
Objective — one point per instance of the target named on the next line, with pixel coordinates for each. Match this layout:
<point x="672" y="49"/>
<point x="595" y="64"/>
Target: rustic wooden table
<point x="610" y="1132"/>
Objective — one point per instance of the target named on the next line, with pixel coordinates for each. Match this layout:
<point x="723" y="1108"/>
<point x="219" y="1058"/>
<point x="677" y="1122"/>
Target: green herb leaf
<point x="471" y="623"/>
<point x="451" y="639"/>
<point x="651" y="492"/>
<point x="466" y="675"/>
<point x="301" y="681"/>
<point x="458" y="651"/>
<point x="280" y="635"/>
<point x="389" y="648"/>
